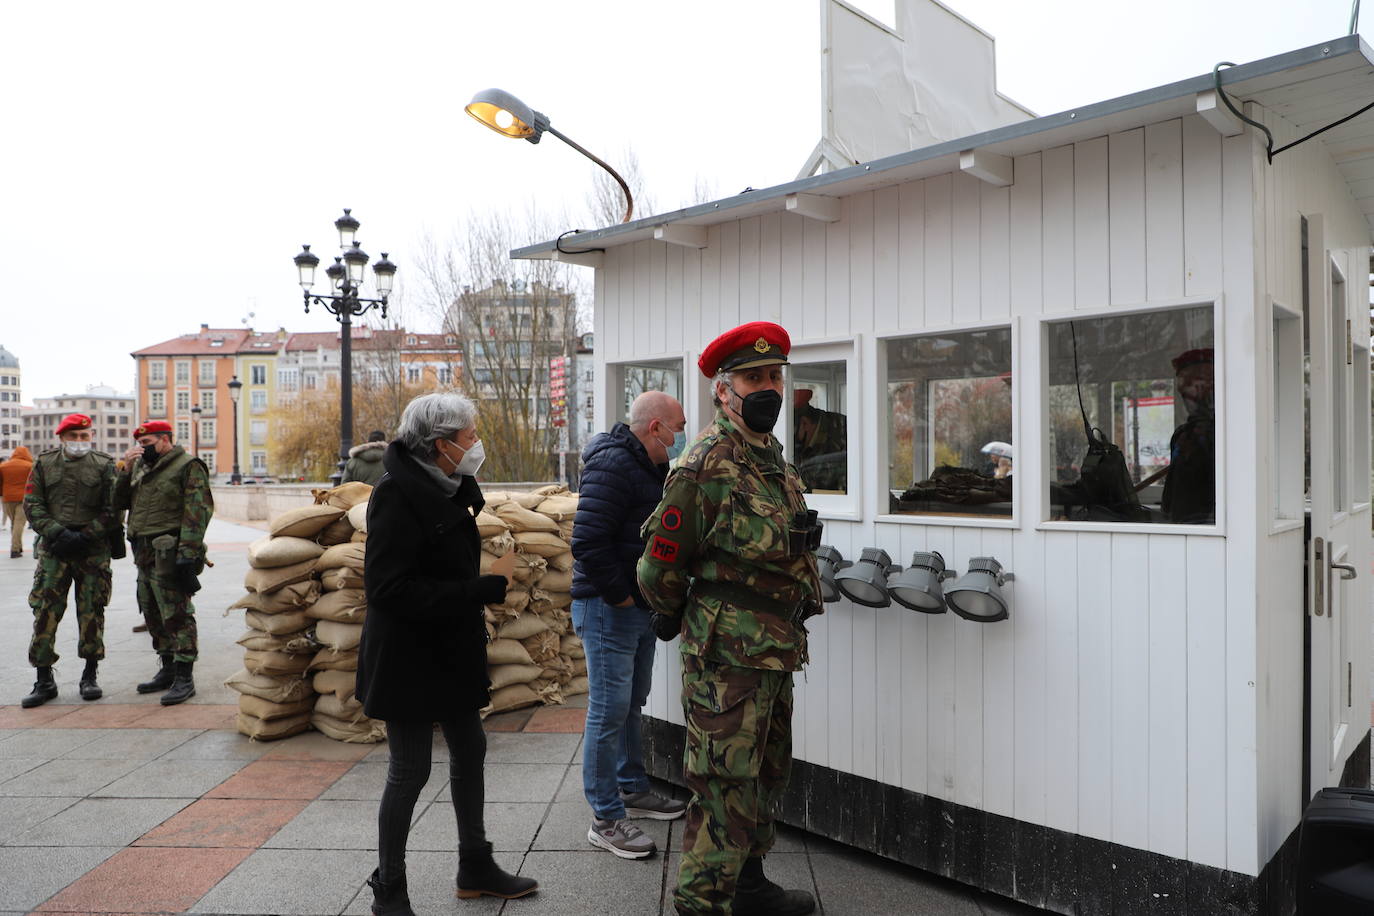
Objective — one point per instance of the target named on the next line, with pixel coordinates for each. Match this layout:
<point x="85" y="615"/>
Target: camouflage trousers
<point x="52" y="579"/>
<point x="169" y="613"/>
<point x="739" y="756"/>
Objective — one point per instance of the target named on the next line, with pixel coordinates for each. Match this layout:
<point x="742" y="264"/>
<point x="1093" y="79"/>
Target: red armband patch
<point x="664" y="549"/>
<point x="671" y="518"/>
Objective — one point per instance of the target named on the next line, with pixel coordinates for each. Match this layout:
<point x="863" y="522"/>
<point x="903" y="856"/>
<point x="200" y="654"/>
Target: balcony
<point x="157" y="382"/>
<point x="206" y="442"/>
<point x="157" y="413"/>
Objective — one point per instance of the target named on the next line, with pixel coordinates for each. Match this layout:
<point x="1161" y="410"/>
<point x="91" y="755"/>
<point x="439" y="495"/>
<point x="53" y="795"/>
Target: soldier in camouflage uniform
<point x="68" y="502"/>
<point x="729" y="566"/>
<point x="167" y="493"/>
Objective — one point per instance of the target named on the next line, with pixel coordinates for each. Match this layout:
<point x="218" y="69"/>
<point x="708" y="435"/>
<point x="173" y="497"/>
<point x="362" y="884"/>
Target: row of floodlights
<point x="875" y="582"/>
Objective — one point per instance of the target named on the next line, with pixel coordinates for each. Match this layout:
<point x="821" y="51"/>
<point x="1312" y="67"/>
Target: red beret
<point x="758" y="343"/>
<point x="153" y="426"/>
<point x="1193" y="357"/>
<point x="73" y="421"/>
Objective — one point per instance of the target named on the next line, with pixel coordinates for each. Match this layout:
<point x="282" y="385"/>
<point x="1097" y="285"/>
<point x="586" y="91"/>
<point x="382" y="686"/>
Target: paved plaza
<point x="124" y="806"/>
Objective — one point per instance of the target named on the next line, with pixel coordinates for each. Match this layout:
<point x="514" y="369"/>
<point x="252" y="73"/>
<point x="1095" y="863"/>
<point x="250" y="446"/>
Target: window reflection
<point x="820" y="429"/>
<point x="637" y="378"/>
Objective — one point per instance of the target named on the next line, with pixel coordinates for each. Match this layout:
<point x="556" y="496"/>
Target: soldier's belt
<point x="795" y="611"/>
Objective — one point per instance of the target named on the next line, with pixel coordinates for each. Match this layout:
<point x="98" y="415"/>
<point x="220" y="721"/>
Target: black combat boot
<point x="389" y="898"/>
<point x="90" y="690"/>
<point x="183" y="688"/>
<point x="479" y="874"/>
<point x="755" y="895"/>
<point x="162" y="680"/>
<point x="44" y="689"/>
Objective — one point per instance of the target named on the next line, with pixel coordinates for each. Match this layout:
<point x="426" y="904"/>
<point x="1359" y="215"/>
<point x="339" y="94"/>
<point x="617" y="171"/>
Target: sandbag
<point x="570" y="646"/>
<point x="277" y="624"/>
<point x="345" y="496"/>
<point x="562" y="561"/>
<point x="516" y="696"/>
<point x="517" y="599"/>
<point x="275" y="688"/>
<point x="529" y="499"/>
<point x="271" y="729"/>
<point x="550" y="489"/>
<point x="287" y="598"/>
<point x="505" y="675"/>
<point x="489" y="524"/>
<point x="341" y="683"/>
<point x="343" y="577"/>
<point x="267" y="710"/>
<point x="520" y="627"/>
<point x="559" y="508"/>
<point x="565" y="530"/>
<point x="346" y="709"/>
<point x="338" y="636"/>
<point x="336" y="532"/>
<point x="558" y="621"/>
<point x="304" y="522"/>
<point x="575" y="687"/>
<point x="346" y="605"/>
<point x="365" y="731"/>
<point x="521" y="519"/>
<point x="499" y="545"/>
<point x="549" y="692"/>
<point x="527" y="568"/>
<point x="505" y="652"/>
<point x="555" y="580"/>
<point x="275" y="552"/>
<point x="350" y="555"/>
<point x="333" y="660"/>
<point x="275" y="663"/>
<point x="541" y="646"/>
<point x="301" y="643"/>
<point x="267" y="581"/>
<point x="541" y="543"/>
<point x="357" y="516"/>
<point x="359" y="537"/>
<point x="579" y="667"/>
<point x="559" y="600"/>
<point x="494" y="498"/>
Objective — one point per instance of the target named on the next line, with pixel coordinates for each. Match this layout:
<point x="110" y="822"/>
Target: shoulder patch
<point x="664" y="549"/>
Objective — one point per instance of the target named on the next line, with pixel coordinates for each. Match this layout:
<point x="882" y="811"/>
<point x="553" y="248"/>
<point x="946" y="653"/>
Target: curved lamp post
<point x="510" y="117"/>
<point x="235" y="387"/>
<point x="346" y="276"/>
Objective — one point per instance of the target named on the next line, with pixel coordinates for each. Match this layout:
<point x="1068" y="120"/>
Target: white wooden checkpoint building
<point x="1186" y="654"/>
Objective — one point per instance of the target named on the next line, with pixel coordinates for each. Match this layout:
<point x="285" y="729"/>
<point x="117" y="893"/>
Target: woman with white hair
<point x="423" y="654"/>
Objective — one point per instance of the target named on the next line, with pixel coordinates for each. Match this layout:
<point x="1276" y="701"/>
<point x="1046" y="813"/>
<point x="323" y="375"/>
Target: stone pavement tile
<point x="31" y="876"/>
<point x="48" y="742"/>
<point x="789" y="870"/>
<point x="380" y="751"/>
<point x="189" y="715"/>
<point x="132" y="744"/>
<point x="224" y="822"/>
<point x="565" y="828"/>
<point x="430" y="879"/>
<point x="571" y="789"/>
<point x="557" y="720"/>
<point x="853" y="882"/>
<point x="508" y="721"/>
<point x="526" y="748"/>
<point x="18" y="717"/>
<point x="13" y="766"/>
<point x="67" y="777"/>
<point x="523" y="782"/>
<point x="218" y="744"/>
<point x="591" y="882"/>
<point x="366" y="780"/>
<point x="19" y="814"/>
<point x="280" y="779"/>
<point x="102" y="715"/>
<point x="510" y="826"/>
<point x="140" y="880"/>
<point x="330" y="825"/>
<point x="170" y="779"/>
<point x="101" y="822"/>
<point x="291" y="881"/>
<point x="315" y="746"/>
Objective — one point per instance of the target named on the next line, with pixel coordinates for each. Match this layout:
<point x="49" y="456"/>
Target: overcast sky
<point x="164" y="161"/>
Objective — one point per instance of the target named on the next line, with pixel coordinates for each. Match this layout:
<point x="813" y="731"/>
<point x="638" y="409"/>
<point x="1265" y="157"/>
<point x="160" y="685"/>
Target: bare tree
<point x="606" y="200"/>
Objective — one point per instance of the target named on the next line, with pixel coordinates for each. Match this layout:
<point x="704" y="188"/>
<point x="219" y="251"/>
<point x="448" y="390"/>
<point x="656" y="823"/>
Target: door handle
<point x="1347" y="570"/>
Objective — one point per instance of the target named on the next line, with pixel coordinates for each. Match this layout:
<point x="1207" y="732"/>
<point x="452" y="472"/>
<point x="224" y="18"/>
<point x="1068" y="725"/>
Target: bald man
<point x="622" y="481"/>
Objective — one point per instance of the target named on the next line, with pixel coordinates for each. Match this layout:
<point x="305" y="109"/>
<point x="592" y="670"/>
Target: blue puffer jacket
<point x="619" y="490"/>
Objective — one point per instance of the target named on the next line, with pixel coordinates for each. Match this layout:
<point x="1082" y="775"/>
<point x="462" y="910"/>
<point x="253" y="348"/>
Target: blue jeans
<point x="620" y="662"/>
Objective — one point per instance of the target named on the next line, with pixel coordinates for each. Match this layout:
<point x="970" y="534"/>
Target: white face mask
<point x="76" y="449"/>
<point x="472" y="460"/>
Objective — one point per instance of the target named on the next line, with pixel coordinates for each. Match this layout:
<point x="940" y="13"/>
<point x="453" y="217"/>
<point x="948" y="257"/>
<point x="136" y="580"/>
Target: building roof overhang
<point x="1300" y="85"/>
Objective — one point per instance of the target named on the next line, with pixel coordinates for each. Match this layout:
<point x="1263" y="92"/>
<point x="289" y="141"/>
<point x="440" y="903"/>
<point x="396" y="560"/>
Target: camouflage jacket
<point x="188" y="506"/>
<point x="64" y="492"/>
<point x="723" y="526"/>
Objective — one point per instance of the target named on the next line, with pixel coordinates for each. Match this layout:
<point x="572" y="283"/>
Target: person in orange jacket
<point x="14" y="476"/>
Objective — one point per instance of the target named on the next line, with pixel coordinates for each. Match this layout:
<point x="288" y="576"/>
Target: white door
<point x="1337" y="594"/>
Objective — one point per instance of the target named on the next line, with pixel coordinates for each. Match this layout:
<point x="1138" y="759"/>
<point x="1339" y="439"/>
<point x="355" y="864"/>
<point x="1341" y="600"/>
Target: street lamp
<point x="510" y="117"/>
<point x="346" y="276"/>
<point x="195" y="431"/>
<point x="235" y="478"/>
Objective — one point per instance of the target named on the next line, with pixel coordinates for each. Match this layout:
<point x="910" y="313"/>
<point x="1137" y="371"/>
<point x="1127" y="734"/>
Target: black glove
<point x="665" y="627"/>
<point x="69" y="544"/>
<point x="187" y="576"/>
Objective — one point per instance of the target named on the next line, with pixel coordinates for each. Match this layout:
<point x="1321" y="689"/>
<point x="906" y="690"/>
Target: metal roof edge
<point x="1326" y="50"/>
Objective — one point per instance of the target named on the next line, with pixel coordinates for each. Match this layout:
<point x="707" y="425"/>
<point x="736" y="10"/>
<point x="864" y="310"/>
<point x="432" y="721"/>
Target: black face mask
<point x="150" y="455"/>
<point x="760" y="409"/>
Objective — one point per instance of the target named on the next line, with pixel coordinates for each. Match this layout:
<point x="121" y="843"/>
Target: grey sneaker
<point x="647" y="804"/>
<point x="621" y="838"/>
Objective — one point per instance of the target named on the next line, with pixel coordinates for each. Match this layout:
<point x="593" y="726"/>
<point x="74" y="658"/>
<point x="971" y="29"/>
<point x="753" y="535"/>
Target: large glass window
<point x="949" y="439"/>
<point x="1132" y="418"/>
<point x="820" y="427"/>
<point x="633" y="379"/>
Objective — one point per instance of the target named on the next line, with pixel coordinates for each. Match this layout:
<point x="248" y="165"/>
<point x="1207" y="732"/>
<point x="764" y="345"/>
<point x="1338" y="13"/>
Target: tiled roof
<point x="208" y="341"/>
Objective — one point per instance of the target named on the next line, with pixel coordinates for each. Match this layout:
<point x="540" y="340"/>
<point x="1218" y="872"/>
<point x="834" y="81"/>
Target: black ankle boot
<point x="389" y="898"/>
<point x="183" y="688"/>
<point x="479" y="874"/>
<point x="44" y="689"/>
<point x="90" y="690"/>
<point x="755" y="895"/>
<point x="162" y="680"/>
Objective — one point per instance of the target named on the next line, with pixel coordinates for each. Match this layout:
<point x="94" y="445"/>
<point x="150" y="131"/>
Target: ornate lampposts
<point x="346" y="274"/>
<point x="234" y="390"/>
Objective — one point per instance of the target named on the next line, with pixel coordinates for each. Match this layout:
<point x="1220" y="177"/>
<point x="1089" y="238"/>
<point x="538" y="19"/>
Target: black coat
<point x="423" y="655"/>
<point x="618" y="491"/>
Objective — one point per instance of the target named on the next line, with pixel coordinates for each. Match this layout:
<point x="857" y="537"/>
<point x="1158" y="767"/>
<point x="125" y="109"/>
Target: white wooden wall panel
<point x="887" y="265"/>
<point x="1201" y="207"/>
<point x="1092" y="282"/>
<point x="1130" y="663"/>
<point x="711" y="324"/>
<point x="727" y="279"/>
<point x="691" y="304"/>
<point x="1029" y="713"/>
<point x="1057" y="198"/>
<point x="641" y="333"/>
<point x="674" y="305"/>
<point x="911" y="240"/>
<point x="1206" y="673"/>
<point x="813" y="279"/>
<point x="837" y="268"/>
<point x="965" y="242"/>
<point x="1164" y="210"/>
<point x="860" y="256"/>
<point x="915" y="681"/>
<point x="968" y="685"/>
<point x="1062" y="721"/>
<point x="995" y="244"/>
<point x="1126" y="210"/>
<point x="658" y="297"/>
<point x="941" y="768"/>
<point x="608" y="327"/>
<point x="1094" y="664"/>
<point x="938" y="271"/>
<point x="1167" y="725"/>
<point x="747" y="294"/>
<point x="1000" y="687"/>
<point x="792" y="274"/>
<point x="1025" y="238"/>
<point x="770" y="260"/>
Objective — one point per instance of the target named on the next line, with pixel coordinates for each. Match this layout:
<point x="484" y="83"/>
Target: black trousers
<point x="411" y="745"/>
